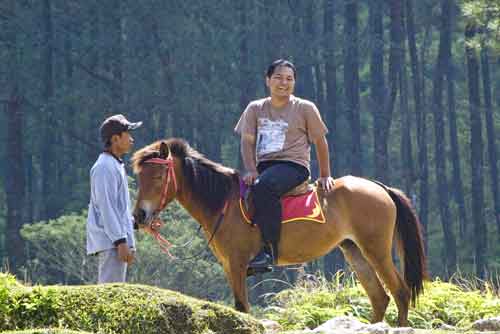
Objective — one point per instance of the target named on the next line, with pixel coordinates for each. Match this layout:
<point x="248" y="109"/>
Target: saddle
<point x="299" y="204"/>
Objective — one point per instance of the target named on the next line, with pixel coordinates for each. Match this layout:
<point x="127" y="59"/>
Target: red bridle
<point x="169" y="162"/>
<point x="164" y="244"/>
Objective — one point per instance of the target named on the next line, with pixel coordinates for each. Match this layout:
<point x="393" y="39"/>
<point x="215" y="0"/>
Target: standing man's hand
<point x="250" y="177"/>
<point x="131" y="257"/>
<point x="123" y="252"/>
<point x="327" y="183"/>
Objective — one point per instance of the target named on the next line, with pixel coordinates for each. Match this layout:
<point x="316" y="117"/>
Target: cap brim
<point x="133" y="126"/>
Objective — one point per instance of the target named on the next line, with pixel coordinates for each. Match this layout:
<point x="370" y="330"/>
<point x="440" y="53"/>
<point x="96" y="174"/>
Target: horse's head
<point x="157" y="182"/>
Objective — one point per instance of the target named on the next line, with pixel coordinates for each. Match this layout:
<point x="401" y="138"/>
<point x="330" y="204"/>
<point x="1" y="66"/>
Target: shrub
<point x="119" y="308"/>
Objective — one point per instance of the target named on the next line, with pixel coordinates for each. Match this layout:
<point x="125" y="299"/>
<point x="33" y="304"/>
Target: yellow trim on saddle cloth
<point x="316" y="216"/>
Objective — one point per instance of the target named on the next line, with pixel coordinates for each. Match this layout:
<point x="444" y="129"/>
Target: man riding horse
<point x="276" y="133"/>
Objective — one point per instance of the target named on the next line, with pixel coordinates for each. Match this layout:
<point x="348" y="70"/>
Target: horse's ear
<point x="164" y="150"/>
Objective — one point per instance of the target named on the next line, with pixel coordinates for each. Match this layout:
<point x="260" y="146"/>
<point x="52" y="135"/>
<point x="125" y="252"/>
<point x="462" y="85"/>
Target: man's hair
<point x="278" y="63"/>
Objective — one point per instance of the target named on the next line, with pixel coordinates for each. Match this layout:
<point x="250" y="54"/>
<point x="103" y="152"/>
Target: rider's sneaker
<point x="262" y="260"/>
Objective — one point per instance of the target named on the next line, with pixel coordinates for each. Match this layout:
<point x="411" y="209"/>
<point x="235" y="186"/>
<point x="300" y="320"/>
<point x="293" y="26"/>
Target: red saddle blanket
<point x="305" y="207"/>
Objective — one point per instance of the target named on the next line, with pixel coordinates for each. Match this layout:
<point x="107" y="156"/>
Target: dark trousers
<point x="275" y="179"/>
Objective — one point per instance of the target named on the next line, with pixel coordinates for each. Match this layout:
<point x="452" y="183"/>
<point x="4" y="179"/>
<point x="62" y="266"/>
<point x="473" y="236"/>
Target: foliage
<point x="485" y="14"/>
<point x="312" y="303"/>
<point x="58" y="255"/>
<point x="45" y="331"/>
<point x="119" y="308"/>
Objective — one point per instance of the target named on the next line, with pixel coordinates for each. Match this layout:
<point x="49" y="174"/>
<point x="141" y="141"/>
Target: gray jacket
<point x="109" y="216"/>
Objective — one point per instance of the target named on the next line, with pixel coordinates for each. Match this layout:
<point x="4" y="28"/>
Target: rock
<point x="339" y="323"/>
<point x="446" y="327"/>
<point x="491" y="324"/>
<point x="271" y="326"/>
<point x="402" y="330"/>
<point x="378" y="328"/>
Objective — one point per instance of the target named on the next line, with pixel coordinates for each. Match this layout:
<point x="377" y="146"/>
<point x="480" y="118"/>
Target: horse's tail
<point x="408" y="230"/>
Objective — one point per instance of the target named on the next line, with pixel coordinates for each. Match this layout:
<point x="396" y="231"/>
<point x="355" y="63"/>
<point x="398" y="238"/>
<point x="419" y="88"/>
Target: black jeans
<point x="275" y="179"/>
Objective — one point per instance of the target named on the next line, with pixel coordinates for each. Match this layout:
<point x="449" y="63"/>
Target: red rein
<point x="164" y="244"/>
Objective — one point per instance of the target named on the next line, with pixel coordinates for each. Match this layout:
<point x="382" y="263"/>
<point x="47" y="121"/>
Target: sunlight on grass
<point x="316" y="301"/>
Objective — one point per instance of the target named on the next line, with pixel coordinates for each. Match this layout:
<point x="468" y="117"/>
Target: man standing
<point x="276" y="133"/>
<point x="110" y="224"/>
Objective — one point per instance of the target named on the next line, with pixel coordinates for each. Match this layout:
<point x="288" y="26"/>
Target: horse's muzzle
<point x="139" y="216"/>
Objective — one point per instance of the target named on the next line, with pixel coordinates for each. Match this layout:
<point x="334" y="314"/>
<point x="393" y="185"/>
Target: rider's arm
<point x="323" y="156"/>
<point x="248" y="152"/>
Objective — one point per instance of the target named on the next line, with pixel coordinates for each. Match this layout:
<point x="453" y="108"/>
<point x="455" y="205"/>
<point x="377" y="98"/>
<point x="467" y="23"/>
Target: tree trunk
<point x="395" y="58"/>
<point x="351" y="81"/>
<point x="490" y="132"/>
<point x="416" y="70"/>
<point x="117" y="55"/>
<point x="47" y="150"/>
<point x="422" y="141"/>
<point x="333" y="261"/>
<point x="476" y="161"/>
<point x="14" y="170"/>
<point x="455" y="150"/>
<point x="377" y="89"/>
<point x="449" y="246"/>
<point x="406" y="145"/>
<point x="247" y="88"/>
<point x="169" y="124"/>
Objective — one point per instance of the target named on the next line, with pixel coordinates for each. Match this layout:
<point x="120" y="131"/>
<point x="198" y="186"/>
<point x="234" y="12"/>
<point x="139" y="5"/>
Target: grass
<point x="45" y="331"/>
<point x="310" y="304"/>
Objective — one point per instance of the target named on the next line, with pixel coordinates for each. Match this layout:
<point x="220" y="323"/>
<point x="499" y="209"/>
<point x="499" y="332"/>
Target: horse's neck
<point x="196" y="211"/>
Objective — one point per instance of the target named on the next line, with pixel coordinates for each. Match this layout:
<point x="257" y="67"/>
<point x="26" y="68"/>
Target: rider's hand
<point x="250" y="177"/>
<point x="327" y="183"/>
<point x="123" y="252"/>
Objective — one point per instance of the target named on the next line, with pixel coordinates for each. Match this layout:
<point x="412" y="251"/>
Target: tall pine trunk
<point x="333" y="261"/>
<point x="417" y="77"/>
<point x="476" y="160"/>
<point x="394" y="72"/>
<point x="490" y="132"/>
<point x="406" y="144"/>
<point x="14" y="171"/>
<point x="449" y="246"/>
<point x="455" y="151"/>
<point x="377" y="87"/>
<point x="47" y="149"/>
<point x="457" y="183"/>
<point x="351" y="81"/>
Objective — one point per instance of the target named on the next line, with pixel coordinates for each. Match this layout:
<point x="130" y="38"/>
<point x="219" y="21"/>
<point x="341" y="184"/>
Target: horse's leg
<point x="386" y="270"/>
<point x="368" y="278"/>
<point x="236" y="273"/>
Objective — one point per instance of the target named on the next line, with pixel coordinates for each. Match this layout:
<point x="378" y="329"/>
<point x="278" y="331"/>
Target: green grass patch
<point x="115" y="308"/>
<point x="45" y="331"/>
<point x="311" y="304"/>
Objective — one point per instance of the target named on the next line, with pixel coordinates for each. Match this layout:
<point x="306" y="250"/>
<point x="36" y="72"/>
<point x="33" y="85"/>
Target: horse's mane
<point x="211" y="183"/>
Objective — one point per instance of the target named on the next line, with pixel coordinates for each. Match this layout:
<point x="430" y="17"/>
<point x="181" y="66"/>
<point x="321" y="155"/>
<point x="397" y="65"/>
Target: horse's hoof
<point x="259" y="270"/>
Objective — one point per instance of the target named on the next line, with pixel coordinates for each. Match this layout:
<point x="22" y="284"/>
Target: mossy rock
<point x="118" y="308"/>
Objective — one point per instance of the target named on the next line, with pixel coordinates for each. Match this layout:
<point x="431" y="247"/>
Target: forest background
<point x="409" y="91"/>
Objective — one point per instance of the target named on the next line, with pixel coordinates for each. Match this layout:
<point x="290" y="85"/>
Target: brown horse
<point x="362" y="217"/>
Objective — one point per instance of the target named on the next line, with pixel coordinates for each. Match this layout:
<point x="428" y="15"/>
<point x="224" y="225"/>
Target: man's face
<point x="282" y="82"/>
<point x="123" y="142"/>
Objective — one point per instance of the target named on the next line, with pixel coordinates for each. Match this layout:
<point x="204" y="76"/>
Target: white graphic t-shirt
<point x="271" y="136"/>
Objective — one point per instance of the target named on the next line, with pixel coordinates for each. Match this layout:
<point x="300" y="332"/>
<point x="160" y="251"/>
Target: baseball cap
<point x="114" y="125"/>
